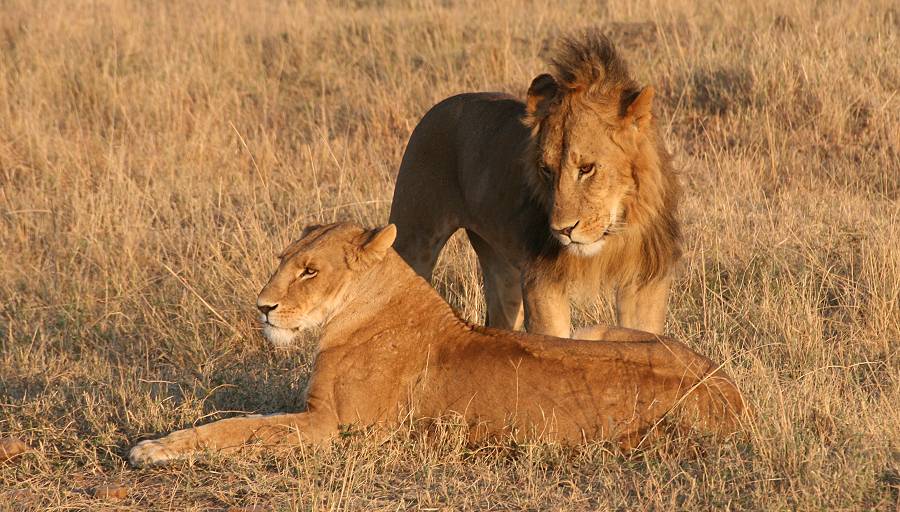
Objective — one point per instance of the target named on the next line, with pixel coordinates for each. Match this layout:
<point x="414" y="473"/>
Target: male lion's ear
<point x="378" y="244"/>
<point x="541" y="94"/>
<point x="638" y="113"/>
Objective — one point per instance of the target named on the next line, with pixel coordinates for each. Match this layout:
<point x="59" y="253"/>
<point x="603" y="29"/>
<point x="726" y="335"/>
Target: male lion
<point x="391" y="349"/>
<point x="569" y="192"/>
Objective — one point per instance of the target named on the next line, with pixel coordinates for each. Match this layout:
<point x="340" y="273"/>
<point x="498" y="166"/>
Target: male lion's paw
<point x="152" y="452"/>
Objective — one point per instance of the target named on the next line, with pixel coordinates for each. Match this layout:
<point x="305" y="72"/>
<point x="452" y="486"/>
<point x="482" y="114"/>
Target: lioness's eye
<point x="586" y="170"/>
<point x="308" y="272"/>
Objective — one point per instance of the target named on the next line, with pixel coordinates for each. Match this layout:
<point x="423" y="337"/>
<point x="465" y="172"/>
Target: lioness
<point x="566" y="193"/>
<point x="391" y="349"/>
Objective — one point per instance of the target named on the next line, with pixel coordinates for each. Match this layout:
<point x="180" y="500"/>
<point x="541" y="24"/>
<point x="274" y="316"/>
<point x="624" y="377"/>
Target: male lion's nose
<point x="265" y="308"/>
<point x="567" y="230"/>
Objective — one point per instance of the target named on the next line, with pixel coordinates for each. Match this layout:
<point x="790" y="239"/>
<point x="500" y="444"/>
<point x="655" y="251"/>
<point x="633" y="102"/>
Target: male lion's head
<point x="596" y="161"/>
<point x="315" y="275"/>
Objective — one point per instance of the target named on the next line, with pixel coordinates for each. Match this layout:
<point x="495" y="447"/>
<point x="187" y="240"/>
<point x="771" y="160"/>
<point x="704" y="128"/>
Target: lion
<point x="567" y="194"/>
<point x="392" y="350"/>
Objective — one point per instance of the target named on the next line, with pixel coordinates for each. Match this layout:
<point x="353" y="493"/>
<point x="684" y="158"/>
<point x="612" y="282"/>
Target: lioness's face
<point x="314" y="276"/>
<point x="587" y="167"/>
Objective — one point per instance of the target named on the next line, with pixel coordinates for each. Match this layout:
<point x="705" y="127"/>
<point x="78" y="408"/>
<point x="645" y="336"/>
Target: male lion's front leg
<point x="546" y="306"/>
<point x="643" y="307"/>
<point x="601" y="332"/>
<point x="269" y="430"/>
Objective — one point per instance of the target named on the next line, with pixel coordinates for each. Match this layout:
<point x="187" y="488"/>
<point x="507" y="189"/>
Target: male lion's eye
<point x="545" y="171"/>
<point x="586" y="170"/>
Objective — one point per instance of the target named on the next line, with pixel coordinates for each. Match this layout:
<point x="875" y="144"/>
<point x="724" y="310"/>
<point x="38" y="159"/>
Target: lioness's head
<point x="593" y="143"/>
<point x="315" y="275"/>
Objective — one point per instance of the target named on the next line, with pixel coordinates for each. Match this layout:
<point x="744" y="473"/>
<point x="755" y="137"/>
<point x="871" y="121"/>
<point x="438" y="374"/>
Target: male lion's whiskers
<point x="615" y="228"/>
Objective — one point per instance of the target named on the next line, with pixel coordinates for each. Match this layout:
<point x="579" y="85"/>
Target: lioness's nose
<point x="567" y="230"/>
<point x="265" y="308"/>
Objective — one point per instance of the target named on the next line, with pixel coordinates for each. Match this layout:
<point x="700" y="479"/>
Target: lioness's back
<point x="598" y="389"/>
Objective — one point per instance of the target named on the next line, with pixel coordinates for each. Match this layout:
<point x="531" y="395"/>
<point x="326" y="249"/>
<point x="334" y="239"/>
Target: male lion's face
<point x="586" y="149"/>
<point x="316" y="272"/>
<point x="587" y="168"/>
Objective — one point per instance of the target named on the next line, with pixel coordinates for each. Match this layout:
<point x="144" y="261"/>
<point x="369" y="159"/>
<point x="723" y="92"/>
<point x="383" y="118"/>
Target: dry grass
<point x="155" y="156"/>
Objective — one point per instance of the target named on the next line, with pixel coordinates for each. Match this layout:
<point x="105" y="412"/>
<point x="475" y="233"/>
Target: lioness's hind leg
<point x="715" y="405"/>
<point x="502" y="286"/>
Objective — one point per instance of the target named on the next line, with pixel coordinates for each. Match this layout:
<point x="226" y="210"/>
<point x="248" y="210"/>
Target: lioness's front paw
<point x="152" y="452"/>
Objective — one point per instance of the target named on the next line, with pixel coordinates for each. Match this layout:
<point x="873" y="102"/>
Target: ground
<point x="156" y="156"/>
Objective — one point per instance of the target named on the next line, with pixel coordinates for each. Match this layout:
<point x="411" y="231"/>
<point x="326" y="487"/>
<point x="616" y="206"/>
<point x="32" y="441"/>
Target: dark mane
<point x="588" y="62"/>
<point x="591" y="74"/>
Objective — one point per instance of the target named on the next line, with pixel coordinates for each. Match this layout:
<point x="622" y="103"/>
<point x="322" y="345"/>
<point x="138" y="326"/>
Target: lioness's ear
<point x="378" y="244"/>
<point x="541" y="94"/>
<point x="638" y="113"/>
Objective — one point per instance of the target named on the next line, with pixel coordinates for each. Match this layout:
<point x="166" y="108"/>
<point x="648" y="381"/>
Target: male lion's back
<point x="461" y="169"/>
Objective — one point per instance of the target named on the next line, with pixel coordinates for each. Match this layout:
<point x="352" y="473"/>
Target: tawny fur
<point x="392" y="349"/>
<point x="508" y="173"/>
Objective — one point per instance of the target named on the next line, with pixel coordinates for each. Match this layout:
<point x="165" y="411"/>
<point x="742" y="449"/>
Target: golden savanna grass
<point x="156" y="156"/>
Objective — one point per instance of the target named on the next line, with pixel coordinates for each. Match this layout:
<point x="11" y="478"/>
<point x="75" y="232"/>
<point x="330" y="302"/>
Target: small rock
<point x="10" y="447"/>
<point x="110" y="492"/>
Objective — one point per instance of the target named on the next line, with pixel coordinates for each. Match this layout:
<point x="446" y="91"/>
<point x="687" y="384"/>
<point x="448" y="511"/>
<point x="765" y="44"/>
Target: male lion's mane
<point x="590" y="74"/>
